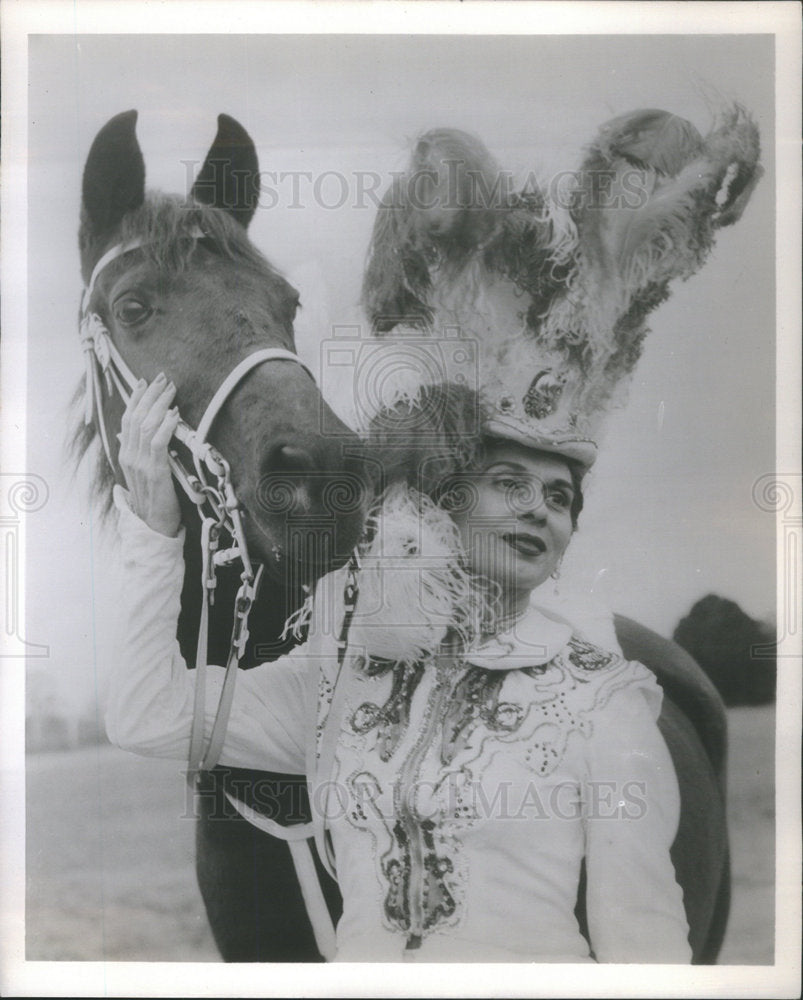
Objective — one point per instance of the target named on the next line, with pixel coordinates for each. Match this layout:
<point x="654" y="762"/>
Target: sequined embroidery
<point x="476" y="698"/>
<point x="586" y="656"/>
<point x="418" y="808"/>
<point x="393" y="717"/>
<point x="437" y="902"/>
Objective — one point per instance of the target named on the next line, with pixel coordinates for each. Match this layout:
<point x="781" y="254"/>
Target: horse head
<point x="179" y="287"/>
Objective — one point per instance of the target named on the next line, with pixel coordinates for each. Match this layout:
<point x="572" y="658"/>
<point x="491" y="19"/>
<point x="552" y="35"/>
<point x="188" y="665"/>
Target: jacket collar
<point x="535" y="639"/>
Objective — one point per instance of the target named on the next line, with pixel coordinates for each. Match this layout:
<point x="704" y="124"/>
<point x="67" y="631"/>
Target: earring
<point x="555" y="575"/>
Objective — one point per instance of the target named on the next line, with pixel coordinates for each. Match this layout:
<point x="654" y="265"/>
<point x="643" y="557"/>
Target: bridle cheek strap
<point x="196" y="440"/>
<point x="95" y="338"/>
<point x="103" y="357"/>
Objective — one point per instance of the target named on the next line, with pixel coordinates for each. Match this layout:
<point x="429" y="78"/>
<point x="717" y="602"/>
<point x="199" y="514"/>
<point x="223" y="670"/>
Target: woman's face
<point x="516" y="520"/>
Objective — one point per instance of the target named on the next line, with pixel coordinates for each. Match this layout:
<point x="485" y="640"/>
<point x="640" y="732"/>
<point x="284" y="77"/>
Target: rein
<point x="216" y="504"/>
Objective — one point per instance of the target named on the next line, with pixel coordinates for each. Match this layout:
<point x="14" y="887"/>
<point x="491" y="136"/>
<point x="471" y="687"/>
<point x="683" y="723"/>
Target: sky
<point x="670" y="511"/>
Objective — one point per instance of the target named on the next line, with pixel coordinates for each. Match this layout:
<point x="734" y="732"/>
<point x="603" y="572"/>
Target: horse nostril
<point x="299" y="478"/>
<point x="284" y="485"/>
<point x="290" y="458"/>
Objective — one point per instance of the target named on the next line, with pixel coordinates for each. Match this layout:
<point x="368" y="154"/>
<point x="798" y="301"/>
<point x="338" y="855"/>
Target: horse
<point x="176" y="285"/>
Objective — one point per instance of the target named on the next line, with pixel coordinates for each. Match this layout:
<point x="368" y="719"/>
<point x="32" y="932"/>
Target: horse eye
<point x="130" y="311"/>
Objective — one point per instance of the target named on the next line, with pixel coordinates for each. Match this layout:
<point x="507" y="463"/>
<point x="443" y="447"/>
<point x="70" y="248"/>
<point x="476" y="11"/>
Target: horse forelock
<point x="165" y="225"/>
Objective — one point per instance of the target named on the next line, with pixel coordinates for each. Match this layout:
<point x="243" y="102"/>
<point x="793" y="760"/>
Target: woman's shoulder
<point x="589" y="658"/>
<point x="594" y="677"/>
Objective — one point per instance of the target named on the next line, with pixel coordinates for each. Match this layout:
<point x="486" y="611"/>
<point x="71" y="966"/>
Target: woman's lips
<point x="528" y="545"/>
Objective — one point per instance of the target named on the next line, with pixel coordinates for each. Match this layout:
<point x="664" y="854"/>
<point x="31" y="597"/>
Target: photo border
<point x="22" y="978"/>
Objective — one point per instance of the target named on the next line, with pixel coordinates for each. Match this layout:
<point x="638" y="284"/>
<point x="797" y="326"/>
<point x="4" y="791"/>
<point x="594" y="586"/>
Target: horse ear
<point x="229" y="178"/>
<point x="114" y="176"/>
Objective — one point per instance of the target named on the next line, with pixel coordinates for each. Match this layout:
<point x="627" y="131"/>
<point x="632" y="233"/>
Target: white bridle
<point x="100" y="351"/>
<point x="225" y="513"/>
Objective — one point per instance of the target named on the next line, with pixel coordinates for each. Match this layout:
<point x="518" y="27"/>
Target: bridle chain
<point x="224" y="509"/>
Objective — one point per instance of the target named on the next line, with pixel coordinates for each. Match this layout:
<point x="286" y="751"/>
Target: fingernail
<point x="160" y="377"/>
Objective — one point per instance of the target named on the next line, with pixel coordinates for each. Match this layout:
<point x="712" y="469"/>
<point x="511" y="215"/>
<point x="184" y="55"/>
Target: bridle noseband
<point x="217" y="505"/>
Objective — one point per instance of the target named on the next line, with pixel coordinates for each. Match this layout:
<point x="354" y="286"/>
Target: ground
<point x="750" y="938"/>
<point x="110" y="854"/>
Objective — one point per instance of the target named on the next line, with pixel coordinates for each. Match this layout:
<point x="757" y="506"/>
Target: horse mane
<point x="165" y="224"/>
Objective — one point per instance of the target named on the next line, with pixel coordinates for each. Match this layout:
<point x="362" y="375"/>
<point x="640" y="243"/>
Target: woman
<point x="467" y="755"/>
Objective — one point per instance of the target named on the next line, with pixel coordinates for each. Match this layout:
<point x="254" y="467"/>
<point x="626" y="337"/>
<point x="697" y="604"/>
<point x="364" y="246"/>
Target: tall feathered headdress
<point x="549" y="289"/>
<point x="537" y="298"/>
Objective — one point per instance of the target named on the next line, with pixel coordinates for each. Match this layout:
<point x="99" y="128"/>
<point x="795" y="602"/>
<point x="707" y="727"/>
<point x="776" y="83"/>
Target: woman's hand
<point x="147" y="426"/>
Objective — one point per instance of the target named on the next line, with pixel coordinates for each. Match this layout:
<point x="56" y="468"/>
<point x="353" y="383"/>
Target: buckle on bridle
<point x="243" y="603"/>
<point x="210" y="540"/>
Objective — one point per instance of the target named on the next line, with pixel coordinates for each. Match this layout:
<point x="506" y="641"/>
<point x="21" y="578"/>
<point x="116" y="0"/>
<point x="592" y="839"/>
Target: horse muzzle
<point x="311" y="516"/>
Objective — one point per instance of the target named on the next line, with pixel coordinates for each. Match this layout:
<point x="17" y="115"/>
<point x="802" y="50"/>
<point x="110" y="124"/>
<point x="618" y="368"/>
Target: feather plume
<point x="555" y="296"/>
<point x="413" y="585"/>
<point x="666" y="190"/>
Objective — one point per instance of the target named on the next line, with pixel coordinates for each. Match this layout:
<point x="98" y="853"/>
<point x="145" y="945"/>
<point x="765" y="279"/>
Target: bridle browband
<point x="217" y="505"/>
<point x="97" y="342"/>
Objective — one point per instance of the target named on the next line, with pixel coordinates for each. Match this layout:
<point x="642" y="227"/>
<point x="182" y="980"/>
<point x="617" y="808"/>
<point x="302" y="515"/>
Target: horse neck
<point x="274" y="604"/>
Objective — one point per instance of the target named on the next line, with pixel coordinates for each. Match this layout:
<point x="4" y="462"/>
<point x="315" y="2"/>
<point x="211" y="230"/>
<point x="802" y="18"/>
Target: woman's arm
<point x="632" y="802"/>
<point x="151" y="697"/>
<point x="150" y="704"/>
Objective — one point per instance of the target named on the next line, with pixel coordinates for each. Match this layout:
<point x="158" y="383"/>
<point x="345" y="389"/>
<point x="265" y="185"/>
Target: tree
<point x="723" y="640"/>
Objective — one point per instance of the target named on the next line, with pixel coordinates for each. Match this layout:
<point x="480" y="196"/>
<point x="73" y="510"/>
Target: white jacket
<point x="460" y="797"/>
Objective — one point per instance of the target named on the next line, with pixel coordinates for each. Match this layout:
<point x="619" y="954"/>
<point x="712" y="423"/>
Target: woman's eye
<point x="129" y="311"/>
<point x="507" y="483"/>
<point x="559" y="500"/>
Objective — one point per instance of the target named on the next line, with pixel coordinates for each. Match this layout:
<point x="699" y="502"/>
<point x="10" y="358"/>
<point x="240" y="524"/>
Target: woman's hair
<point x="577" y="472"/>
<point x="425" y="446"/>
<point x="432" y="440"/>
